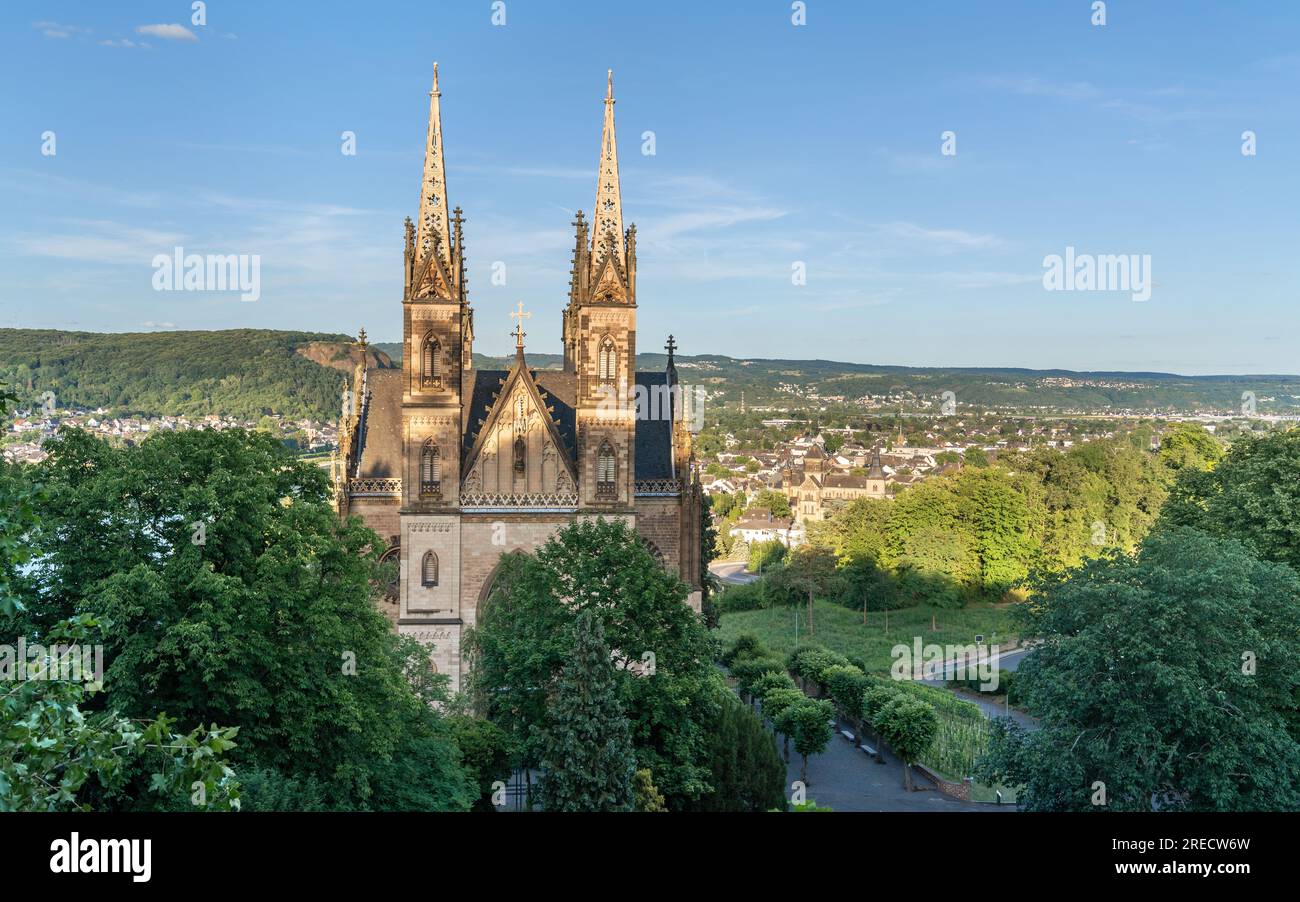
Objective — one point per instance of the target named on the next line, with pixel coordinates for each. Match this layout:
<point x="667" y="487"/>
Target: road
<point x="992" y="705"/>
<point x="732" y="573"/>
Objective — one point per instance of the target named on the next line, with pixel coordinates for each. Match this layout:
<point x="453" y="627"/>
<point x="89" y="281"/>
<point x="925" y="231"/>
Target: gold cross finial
<point x="519" y="332"/>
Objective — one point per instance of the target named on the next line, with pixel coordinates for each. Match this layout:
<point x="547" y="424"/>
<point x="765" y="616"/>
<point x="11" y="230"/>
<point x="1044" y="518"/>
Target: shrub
<point x="748" y="671"/>
<point x="765" y="554"/>
<point x="749" y="597"/>
<point x="747" y="645"/>
<point x="772" y="680"/>
<point x="817" y="661"/>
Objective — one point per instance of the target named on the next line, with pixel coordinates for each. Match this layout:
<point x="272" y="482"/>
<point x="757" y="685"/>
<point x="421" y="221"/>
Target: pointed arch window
<point x="606" y="471"/>
<point x="431" y="363"/>
<point x="430" y="470"/>
<point x="521" y="454"/>
<point x="607" y="361"/>
<point x="429" y="569"/>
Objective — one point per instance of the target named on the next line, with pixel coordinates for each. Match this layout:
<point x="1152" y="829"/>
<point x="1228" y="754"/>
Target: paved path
<point x="845" y="778"/>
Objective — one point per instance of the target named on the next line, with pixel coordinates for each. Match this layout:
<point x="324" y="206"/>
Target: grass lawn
<point x="842" y="630"/>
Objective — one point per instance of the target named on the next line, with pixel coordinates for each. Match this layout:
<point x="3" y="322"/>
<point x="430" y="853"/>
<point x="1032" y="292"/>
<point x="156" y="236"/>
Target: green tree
<point x="775" y="704"/>
<point x="1189" y="446"/>
<point x="873" y="700"/>
<point x="774" y="501"/>
<point x="1168" y="677"/>
<point x="745" y="768"/>
<point x="765" y="554"/>
<point x="1001" y="527"/>
<point x="808" y="572"/>
<point x="909" y="725"/>
<point x="59" y="750"/>
<point x="666" y="679"/>
<point x="234" y="595"/>
<point x="929" y="544"/>
<point x="846" y="685"/>
<point x="586" y="743"/>
<point x="810" y="723"/>
<point x="486" y="754"/>
<point x="646" y="796"/>
<point x="1252" y="495"/>
<point x="708" y="551"/>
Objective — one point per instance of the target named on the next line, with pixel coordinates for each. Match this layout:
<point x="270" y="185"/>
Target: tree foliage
<point x="234" y="595"/>
<point x="745" y="769"/>
<point x="586" y="745"/>
<point x="524" y="636"/>
<point x="243" y="373"/>
<point x="909" y="725"/>
<point x="1168" y="676"/>
<point x="1252" y="495"/>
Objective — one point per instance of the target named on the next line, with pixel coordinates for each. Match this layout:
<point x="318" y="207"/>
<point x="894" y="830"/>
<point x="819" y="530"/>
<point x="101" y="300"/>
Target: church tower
<point x="437" y="333"/>
<point x="599" y="334"/>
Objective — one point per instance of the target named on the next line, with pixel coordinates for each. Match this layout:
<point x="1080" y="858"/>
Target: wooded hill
<point x="248" y="373"/>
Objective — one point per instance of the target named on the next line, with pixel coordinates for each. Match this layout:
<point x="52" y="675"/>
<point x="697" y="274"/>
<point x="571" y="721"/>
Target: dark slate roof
<point x="381" y="438"/>
<point x="558" y="389"/>
<point x="381" y="441"/>
<point x="479" y="390"/>
<point x="654" y="434"/>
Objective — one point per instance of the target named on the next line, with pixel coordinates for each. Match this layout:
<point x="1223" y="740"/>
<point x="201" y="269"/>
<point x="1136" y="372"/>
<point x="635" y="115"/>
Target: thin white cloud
<point x="943" y="239"/>
<point x="101" y="241"/>
<point x="45" y="184"/>
<point x="172" y="32"/>
<point x="57" y="30"/>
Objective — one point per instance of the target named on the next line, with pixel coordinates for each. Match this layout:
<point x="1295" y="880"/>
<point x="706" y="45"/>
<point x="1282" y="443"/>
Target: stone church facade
<point x="456" y="466"/>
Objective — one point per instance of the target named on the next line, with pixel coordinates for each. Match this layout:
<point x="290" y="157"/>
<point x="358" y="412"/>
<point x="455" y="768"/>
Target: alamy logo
<point x="654" y="402"/>
<point x="946" y="662"/>
<point x="1107" y="272"/>
<point x="103" y="856"/>
<point x="65" y="663"/>
<point x="210" y="272"/>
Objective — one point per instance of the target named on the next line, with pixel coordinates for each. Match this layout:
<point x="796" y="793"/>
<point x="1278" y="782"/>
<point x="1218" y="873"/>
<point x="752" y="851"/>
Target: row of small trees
<point x="908" y="724"/>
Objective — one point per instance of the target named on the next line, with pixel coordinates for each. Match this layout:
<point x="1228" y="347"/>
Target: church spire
<point x="607" y="220"/>
<point x="434" y="220"/>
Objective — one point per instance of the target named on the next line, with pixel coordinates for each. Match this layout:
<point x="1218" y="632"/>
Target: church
<point x="456" y="466"/>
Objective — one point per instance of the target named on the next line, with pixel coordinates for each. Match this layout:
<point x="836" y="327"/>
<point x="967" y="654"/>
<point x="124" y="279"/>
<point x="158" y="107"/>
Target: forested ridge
<point x="244" y="373"/>
<point x="248" y="373"/>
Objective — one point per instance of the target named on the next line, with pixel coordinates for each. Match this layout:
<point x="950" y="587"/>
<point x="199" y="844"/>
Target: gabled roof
<point x="519" y="374"/>
<point x="380" y="443"/>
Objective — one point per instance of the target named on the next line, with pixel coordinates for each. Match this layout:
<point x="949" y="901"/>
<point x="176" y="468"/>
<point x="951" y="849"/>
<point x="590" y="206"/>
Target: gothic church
<point x="456" y="466"/>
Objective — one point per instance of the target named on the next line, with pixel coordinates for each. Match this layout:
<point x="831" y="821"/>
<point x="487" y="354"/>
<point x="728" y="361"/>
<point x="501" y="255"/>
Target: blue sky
<point x="774" y="144"/>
